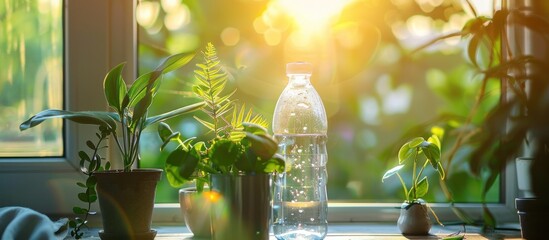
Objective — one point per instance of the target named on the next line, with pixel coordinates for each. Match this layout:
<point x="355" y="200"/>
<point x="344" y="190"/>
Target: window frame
<point x="97" y="35"/>
<point x="102" y="33"/>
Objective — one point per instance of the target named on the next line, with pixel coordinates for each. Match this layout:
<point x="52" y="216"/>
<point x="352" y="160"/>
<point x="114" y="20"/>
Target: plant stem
<point x="403" y="186"/>
<point x="414" y="177"/>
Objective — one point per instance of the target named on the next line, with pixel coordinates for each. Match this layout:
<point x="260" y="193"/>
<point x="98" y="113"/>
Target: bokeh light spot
<point x="147" y="13"/>
<point x="230" y="36"/>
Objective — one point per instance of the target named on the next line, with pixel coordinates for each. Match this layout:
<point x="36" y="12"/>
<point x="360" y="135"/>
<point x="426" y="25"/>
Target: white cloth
<point x="24" y="223"/>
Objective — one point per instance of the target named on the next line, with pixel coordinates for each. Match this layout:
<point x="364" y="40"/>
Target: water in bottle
<point x="300" y="201"/>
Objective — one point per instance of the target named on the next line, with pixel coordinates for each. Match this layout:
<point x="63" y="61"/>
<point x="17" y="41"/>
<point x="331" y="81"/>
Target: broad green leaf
<point x="405" y="152"/>
<point x="141" y="108"/>
<point x="415" y="142"/>
<point x="79" y="210"/>
<point x="83" y="156"/>
<point x="83" y="197"/>
<point x="174" y="62"/>
<point x="391" y="172"/>
<point x="174" y="137"/>
<point x="139" y="87"/>
<point x="107" y="119"/>
<point x="164" y="131"/>
<point x="275" y="164"/>
<point x="262" y="145"/>
<point x="115" y="87"/>
<point x="422" y="188"/>
<point x="225" y="152"/>
<point x="436" y="140"/>
<point x="174" y="113"/>
<point x="254" y="128"/>
<point x="180" y="166"/>
<point x="432" y="152"/>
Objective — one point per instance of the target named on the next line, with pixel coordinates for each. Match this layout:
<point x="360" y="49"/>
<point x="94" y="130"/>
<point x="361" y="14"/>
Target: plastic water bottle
<point x="300" y="202"/>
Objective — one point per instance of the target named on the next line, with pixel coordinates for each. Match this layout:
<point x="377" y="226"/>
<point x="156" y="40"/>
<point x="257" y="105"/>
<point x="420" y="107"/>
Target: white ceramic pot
<point x="414" y="219"/>
<point x="196" y="211"/>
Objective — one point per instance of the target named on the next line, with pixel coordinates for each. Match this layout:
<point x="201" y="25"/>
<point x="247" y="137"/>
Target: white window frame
<point x="99" y="34"/>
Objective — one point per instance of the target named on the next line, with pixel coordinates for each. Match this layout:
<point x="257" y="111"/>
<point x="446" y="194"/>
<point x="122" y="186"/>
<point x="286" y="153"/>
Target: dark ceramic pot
<point x="532" y="217"/>
<point x="126" y="200"/>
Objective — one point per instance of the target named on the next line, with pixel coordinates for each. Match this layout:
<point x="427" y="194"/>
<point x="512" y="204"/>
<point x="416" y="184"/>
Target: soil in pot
<point x="196" y="211"/>
<point x="414" y="219"/>
<point x="126" y="200"/>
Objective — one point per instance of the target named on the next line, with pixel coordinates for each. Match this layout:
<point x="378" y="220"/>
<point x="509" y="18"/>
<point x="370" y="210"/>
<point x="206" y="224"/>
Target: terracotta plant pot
<point x="196" y="211"/>
<point x="414" y="219"/>
<point x="126" y="200"/>
<point x="241" y="206"/>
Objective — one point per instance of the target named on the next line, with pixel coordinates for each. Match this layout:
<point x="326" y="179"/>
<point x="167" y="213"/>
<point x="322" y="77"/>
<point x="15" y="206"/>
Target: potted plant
<point x="126" y="196"/>
<point x="415" y="155"/>
<point x="235" y="162"/>
<point x="509" y="47"/>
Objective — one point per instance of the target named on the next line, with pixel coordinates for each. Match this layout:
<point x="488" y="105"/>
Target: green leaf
<point x="225" y="152"/>
<point x="391" y="172"/>
<point x="139" y="87"/>
<point x="262" y="145"/>
<point x="432" y="152"/>
<point x="91" y="181"/>
<point x="174" y="62"/>
<point x="472" y="48"/>
<point x="83" y="197"/>
<point x="208" y="125"/>
<point x="115" y="87"/>
<point x="90" y="144"/>
<point x="435" y="140"/>
<point x="164" y="131"/>
<point x="440" y="171"/>
<point x="106" y="119"/>
<point x="275" y="164"/>
<point x="180" y="166"/>
<point x="79" y="210"/>
<point x="83" y="156"/>
<point x="80" y="184"/>
<point x="405" y="152"/>
<point x="415" y="142"/>
<point x="174" y="113"/>
<point x="141" y="108"/>
<point x="422" y="188"/>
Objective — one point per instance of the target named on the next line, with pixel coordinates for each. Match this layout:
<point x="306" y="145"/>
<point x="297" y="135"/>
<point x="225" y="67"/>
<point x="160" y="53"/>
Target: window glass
<point x="376" y="92"/>
<point x="31" y="76"/>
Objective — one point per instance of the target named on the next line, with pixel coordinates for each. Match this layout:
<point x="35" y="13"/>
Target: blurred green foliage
<point x="376" y="93"/>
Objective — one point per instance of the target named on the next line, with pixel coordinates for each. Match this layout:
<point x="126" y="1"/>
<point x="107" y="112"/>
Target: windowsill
<point x="358" y="231"/>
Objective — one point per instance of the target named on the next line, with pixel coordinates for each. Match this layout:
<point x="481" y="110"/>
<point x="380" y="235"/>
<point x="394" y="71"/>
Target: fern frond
<point x="205" y="123"/>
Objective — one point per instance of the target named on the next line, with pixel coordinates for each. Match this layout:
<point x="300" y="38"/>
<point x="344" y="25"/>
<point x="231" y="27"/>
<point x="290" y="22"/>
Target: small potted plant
<point x="236" y="162"/>
<point x="126" y="196"/>
<point x="415" y="155"/>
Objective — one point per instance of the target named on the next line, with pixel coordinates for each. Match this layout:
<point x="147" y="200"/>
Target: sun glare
<point x="313" y="14"/>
